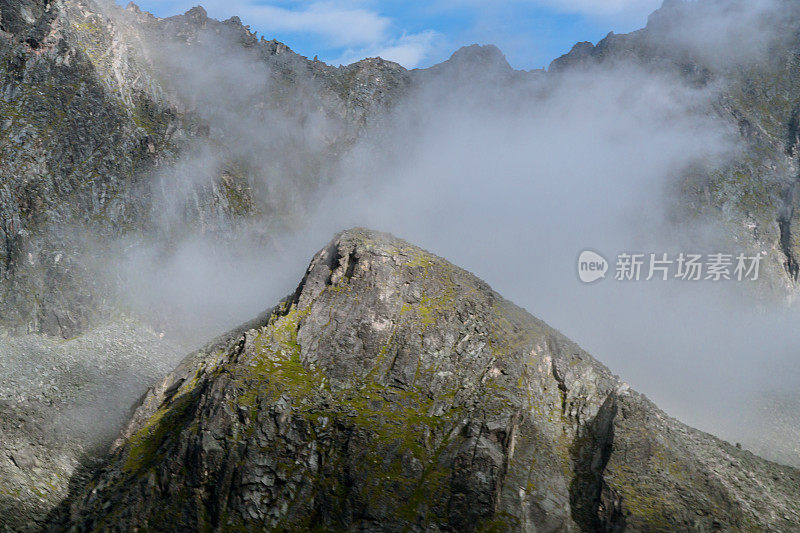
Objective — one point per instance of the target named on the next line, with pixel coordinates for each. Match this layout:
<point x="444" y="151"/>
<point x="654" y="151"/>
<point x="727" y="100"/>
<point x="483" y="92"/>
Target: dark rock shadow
<point x="595" y="507"/>
<point x="58" y="520"/>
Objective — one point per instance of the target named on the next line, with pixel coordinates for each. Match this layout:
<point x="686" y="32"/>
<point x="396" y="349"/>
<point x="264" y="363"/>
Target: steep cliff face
<point x="68" y="151"/>
<point x="394" y="391"/>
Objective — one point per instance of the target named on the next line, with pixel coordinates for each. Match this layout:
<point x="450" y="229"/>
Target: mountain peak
<point x="667" y="14"/>
<point x="580" y="54"/>
<point x="398" y="391"/>
<point x="472" y="62"/>
<point x="480" y="56"/>
<point x="197" y="14"/>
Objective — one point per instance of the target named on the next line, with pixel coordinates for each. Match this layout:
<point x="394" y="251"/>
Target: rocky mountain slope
<point x="57" y="409"/>
<point x="394" y="391"/>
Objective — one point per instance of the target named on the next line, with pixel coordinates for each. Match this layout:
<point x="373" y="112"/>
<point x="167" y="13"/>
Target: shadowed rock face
<point x="394" y="391"/>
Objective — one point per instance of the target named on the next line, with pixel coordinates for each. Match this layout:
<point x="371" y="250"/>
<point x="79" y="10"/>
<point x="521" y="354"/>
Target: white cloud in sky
<point x="410" y="50"/>
<point x="338" y="24"/>
<point x="615" y="8"/>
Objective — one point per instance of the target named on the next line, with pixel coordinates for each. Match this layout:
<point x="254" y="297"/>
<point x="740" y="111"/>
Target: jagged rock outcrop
<point x="394" y="391"/>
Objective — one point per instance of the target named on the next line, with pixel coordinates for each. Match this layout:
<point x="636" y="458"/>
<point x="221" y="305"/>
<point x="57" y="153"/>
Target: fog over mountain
<point x="512" y="175"/>
<point x="166" y="180"/>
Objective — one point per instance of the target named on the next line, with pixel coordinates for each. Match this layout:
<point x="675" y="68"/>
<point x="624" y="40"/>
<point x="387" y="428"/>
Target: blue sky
<point x="419" y="33"/>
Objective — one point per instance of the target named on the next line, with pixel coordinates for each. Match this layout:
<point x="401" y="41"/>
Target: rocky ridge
<point x="95" y="114"/>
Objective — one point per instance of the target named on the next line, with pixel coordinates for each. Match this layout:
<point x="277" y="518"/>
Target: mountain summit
<point x="394" y="391"/>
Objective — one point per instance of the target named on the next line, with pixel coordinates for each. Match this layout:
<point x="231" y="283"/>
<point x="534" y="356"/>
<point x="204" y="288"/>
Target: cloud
<point x="625" y="9"/>
<point x="339" y="26"/>
<point x="512" y="186"/>
<point x="410" y="50"/>
<point x="721" y="34"/>
<point x="511" y="182"/>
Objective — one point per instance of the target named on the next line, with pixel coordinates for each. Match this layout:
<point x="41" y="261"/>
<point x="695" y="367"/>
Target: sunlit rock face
<point x="394" y="391"/>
